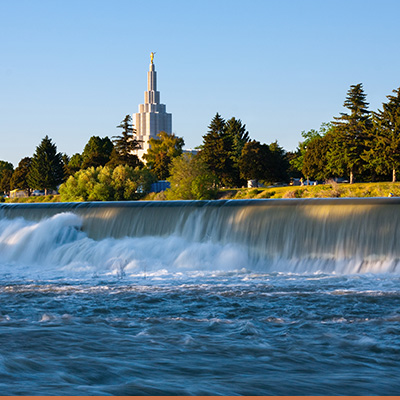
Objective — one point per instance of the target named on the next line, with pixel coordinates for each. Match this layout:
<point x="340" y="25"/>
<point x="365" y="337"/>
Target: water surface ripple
<point x="231" y="334"/>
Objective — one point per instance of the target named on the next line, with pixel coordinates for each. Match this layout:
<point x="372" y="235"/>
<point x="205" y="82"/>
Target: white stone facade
<point x="152" y="117"/>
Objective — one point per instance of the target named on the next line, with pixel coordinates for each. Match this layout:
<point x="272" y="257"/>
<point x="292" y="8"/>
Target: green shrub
<point x="107" y="184"/>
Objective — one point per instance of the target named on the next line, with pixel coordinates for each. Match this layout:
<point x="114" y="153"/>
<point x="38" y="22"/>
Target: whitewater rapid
<point x="57" y="248"/>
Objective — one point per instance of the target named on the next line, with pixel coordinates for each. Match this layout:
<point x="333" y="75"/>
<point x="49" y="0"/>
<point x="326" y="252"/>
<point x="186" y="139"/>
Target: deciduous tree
<point x="6" y="171"/>
<point x="5" y="181"/>
<point x="191" y="179"/>
<point x="308" y="136"/>
<point x="316" y="158"/>
<point x="5" y="165"/>
<point x="97" y="152"/>
<point x="162" y="152"/>
<point x="107" y="184"/>
<point x="19" y="179"/>
<point x="255" y="161"/>
<point x="279" y="164"/>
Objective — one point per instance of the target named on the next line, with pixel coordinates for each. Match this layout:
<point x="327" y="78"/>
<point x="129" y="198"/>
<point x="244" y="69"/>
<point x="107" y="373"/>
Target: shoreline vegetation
<point x="327" y="190"/>
<point x="361" y="145"/>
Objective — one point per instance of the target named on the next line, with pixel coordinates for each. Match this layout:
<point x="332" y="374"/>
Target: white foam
<point x="57" y="248"/>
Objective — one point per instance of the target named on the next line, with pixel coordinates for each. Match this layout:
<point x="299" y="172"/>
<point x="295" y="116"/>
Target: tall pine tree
<point x="352" y="132"/>
<point x="125" y="144"/>
<point x="385" y="148"/>
<point x="216" y="151"/>
<point x="239" y="136"/>
<point x="46" y="171"/>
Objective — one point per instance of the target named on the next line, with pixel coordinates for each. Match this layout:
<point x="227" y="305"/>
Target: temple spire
<point x="152" y="117"/>
<point x="152" y="96"/>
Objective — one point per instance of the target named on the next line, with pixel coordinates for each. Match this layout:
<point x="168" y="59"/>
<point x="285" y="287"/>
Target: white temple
<point x="152" y="117"/>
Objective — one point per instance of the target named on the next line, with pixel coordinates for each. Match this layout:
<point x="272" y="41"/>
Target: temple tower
<point x="152" y="117"/>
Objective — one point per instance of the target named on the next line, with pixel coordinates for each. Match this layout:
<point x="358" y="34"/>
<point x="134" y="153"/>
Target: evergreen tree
<point x="216" y="151"/>
<point x="66" y="169"/>
<point x="125" y="144"/>
<point x="19" y="178"/>
<point x="97" y="152"/>
<point x="46" y="171"/>
<point x="352" y="131"/>
<point x="384" y="152"/>
<point x="239" y="136"/>
<point x="74" y="164"/>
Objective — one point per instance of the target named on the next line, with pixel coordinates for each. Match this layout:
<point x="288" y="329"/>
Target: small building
<point x="18" y="193"/>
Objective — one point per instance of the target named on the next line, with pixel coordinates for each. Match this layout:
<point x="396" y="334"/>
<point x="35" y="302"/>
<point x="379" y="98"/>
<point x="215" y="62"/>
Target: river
<point x="289" y="297"/>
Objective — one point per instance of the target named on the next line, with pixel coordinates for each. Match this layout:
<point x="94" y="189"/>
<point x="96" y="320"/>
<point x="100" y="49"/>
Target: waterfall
<point x="296" y="233"/>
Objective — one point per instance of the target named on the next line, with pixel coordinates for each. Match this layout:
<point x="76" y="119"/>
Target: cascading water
<point x="335" y="235"/>
<point x="248" y="297"/>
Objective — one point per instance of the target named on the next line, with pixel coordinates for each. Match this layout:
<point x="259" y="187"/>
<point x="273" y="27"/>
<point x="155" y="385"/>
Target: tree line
<point x="107" y="169"/>
<point x="47" y="169"/>
<point x="358" y="144"/>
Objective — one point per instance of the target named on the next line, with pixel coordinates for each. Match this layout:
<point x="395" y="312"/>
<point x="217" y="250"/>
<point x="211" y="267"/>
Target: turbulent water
<point x="209" y="298"/>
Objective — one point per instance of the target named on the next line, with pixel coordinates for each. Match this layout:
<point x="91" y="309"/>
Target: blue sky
<point x="73" y="69"/>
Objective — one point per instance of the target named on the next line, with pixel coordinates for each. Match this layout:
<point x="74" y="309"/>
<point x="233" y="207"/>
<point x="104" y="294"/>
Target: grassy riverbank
<point x="51" y="198"/>
<point x="376" y="189"/>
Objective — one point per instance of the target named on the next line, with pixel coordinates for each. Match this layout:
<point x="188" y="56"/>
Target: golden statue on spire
<point x="152" y="56"/>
